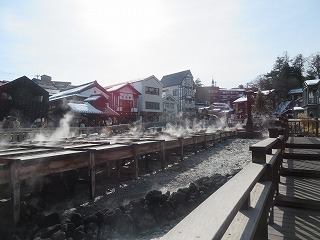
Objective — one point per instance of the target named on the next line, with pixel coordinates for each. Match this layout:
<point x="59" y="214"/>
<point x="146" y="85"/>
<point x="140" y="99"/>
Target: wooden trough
<point x="18" y="162"/>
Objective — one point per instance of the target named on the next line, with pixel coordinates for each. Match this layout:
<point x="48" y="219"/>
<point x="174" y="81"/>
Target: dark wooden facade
<point x="23" y="99"/>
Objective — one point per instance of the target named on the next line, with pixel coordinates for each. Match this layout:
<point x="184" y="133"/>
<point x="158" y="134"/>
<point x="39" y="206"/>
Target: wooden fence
<point x="241" y="208"/>
<point x="304" y="127"/>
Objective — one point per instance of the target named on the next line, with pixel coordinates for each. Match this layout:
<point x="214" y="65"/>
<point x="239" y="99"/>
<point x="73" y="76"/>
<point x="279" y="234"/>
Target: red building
<point x="124" y="100"/>
<point x="207" y="95"/>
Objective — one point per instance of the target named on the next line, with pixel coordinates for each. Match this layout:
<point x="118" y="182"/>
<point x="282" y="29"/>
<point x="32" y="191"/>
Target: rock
<point x="177" y="198"/>
<point x="92" y="231"/>
<point x="77" y="219"/>
<point x="105" y="232"/>
<point x="153" y="197"/>
<point x="59" y="235"/>
<point x="146" y="221"/>
<point x="52" y="219"/>
<point x="123" y="224"/>
<point x="47" y="232"/>
<point x="90" y="218"/>
<point x="79" y="234"/>
<point x="100" y="217"/>
<point x="39" y="218"/>
<point x="109" y="216"/>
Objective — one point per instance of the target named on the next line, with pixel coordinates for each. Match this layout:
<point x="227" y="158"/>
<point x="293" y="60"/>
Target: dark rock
<point x="153" y="197"/>
<point x="100" y="217"/>
<point x="78" y="233"/>
<point x="124" y="224"/>
<point x="77" y="219"/>
<point x="180" y="211"/>
<point x="70" y="228"/>
<point x="47" y="232"/>
<point x="52" y="219"/>
<point x="105" y="232"/>
<point x="90" y="218"/>
<point x="59" y="235"/>
<point x="109" y="216"/>
<point x="146" y="221"/>
<point x="177" y="198"/>
<point x="92" y="231"/>
<point x="39" y="218"/>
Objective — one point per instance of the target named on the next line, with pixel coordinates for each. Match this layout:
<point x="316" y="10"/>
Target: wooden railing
<point x="304" y="127"/>
<point x="241" y="208"/>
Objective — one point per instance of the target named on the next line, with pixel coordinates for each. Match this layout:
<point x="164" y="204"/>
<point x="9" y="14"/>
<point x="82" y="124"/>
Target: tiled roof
<point x="175" y="78"/>
<point x="73" y="90"/>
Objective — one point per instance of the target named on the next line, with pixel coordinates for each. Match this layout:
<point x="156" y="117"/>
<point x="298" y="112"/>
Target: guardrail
<point x="241" y="208"/>
<point x="304" y="127"/>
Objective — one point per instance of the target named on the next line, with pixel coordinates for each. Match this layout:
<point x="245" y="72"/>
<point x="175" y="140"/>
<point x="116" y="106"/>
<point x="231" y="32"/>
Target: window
<point x="126" y="103"/>
<point x="175" y="92"/>
<point x="153" y="105"/>
<point x="152" y="90"/>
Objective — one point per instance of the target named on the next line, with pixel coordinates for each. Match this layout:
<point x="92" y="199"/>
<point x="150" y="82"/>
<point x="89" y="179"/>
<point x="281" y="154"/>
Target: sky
<point x="112" y="41"/>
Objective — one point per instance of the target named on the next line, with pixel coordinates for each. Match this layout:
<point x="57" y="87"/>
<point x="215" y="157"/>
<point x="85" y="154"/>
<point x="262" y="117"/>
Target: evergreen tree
<point x="261" y="105"/>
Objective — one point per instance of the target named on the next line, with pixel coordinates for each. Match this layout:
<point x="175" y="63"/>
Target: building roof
<point x="267" y="92"/>
<point x="77" y="90"/>
<point x="118" y="86"/>
<point x="296" y="91"/>
<point x="92" y="98"/>
<point x="56" y="96"/>
<point x="84" y="108"/>
<point x="87" y="108"/>
<point x="175" y="78"/>
<point x="24" y="82"/>
<point x="241" y="99"/>
<point x="312" y="82"/>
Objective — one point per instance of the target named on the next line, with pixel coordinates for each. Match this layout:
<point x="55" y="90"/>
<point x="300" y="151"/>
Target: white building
<point x="170" y="107"/>
<point x="182" y="87"/>
<point x="150" y="101"/>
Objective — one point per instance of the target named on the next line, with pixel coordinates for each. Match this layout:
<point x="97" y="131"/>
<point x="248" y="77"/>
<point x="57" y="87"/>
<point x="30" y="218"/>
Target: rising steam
<point x="62" y="132"/>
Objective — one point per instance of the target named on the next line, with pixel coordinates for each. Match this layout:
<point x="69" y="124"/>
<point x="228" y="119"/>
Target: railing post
<point x="92" y="172"/>
<point x="317" y="127"/>
<point x="15" y="190"/>
<point x="181" y="147"/>
<point x="136" y="160"/>
<point x="195" y="140"/>
<point x="162" y="155"/>
<point x="205" y="143"/>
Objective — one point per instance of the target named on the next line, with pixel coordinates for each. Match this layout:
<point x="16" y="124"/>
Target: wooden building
<point x="88" y="102"/>
<point x="182" y="87"/>
<point x="24" y="100"/>
<point x="124" y="100"/>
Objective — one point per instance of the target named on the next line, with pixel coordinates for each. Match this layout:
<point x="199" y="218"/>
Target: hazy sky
<point x="112" y="41"/>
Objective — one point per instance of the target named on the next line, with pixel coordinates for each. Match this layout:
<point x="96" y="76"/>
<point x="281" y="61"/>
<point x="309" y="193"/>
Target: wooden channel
<point x="18" y="162"/>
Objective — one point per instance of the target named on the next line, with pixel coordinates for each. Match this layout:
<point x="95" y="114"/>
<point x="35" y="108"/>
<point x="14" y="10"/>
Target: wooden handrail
<point x="220" y="214"/>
